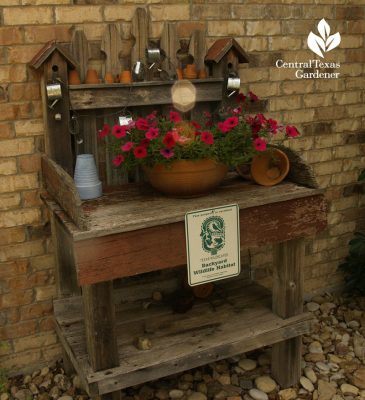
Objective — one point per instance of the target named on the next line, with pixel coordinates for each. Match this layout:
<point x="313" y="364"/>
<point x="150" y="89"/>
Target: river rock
<point x="33" y="388"/>
<point x="23" y="394"/>
<point x="359" y="346"/>
<point x="325" y="390"/>
<point x="65" y="398"/>
<point x="310" y="374"/>
<point x="358" y="378"/>
<point x="247" y="364"/>
<point x="307" y="384"/>
<point x="288" y="394"/>
<point x="146" y="393"/>
<point x="264" y="359"/>
<point x="327" y="307"/>
<point x="197" y="396"/>
<point x="202" y="388"/>
<point x="27" y="379"/>
<point x="4" y="396"/>
<point x="62" y="382"/>
<point x="44" y="396"/>
<point x="314" y="357"/>
<point x="315" y="348"/>
<point x="162" y="394"/>
<point x="224" y="379"/>
<point x="54" y="392"/>
<point x="176" y="394"/>
<point x="342" y="349"/>
<point x="258" y="394"/>
<point x="349" y="390"/>
<point x="265" y="384"/>
<point x="44" y="371"/>
<point x="246" y="383"/>
<point x="312" y="306"/>
<point x="323" y="368"/>
<point x="353" y="324"/>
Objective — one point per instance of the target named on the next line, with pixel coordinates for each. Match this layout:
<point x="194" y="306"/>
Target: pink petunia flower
<point x="207" y="137"/>
<point x="175" y="116"/>
<point x="273" y="125"/>
<point x="169" y="140"/>
<point x="223" y="127"/>
<point x="152" y="133"/>
<point x="291" y="131"/>
<point x="253" y="97"/>
<point x="195" y="124"/>
<point x="118" y="160"/>
<point x="104" y="132"/>
<point x="167" y="153"/>
<point x="127" y="146"/>
<point x="152" y="115"/>
<point x="140" y="152"/>
<point x="260" y="144"/>
<point x="240" y="98"/>
<point x="119" y="131"/>
<point x="142" y="124"/>
<point x="231" y="122"/>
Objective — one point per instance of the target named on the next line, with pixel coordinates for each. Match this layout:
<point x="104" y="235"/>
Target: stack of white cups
<point x="86" y="177"/>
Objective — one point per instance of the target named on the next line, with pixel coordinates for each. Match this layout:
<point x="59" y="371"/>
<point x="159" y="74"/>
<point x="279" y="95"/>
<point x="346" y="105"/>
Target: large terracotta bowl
<point x="186" y="178"/>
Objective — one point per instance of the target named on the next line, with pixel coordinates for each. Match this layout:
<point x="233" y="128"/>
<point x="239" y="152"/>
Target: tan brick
<point x="320" y="12"/>
<point x="9" y="3"/>
<point x="356" y="110"/>
<point x="342" y="228"/>
<point x="350" y="12"/>
<point x="44" y="2"/>
<point x="351" y="41"/>
<point x="344" y="178"/>
<point x="343" y="203"/>
<point x="22" y="250"/>
<point x="35" y="341"/>
<point x="29" y="281"/>
<point x="297" y="86"/>
<point x="23" y="54"/>
<point x="323" y="181"/>
<point x="156" y="28"/>
<point x="211" y="11"/>
<point x="285" y="103"/>
<point x="348" y="151"/>
<point x="10" y="35"/>
<point x="36" y="310"/>
<point x="22" y="328"/>
<point x="24" y="91"/>
<point x="356" y="27"/>
<point x="52" y="353"/>
<point x="6" y="130"/>
<point x="265" y="28"/>
<point x="170" y="12"/>
<point x="31" y="198"/>
<point x="330" y="85"/>
<point x="185" y="29"/>
<point x="253" y="74"/>
<point x="298" y="116"/>
<point x="13" y="183"/>
<point x="6" y="347"/>
<point x="352" y="69"/>
<point x="266" y="89"/>
<point x="42" y="34"/>
<point x="328" y="167"/>
<point x="285" y="43"/>
<point x="42" y="262"/>
<point x="323" y="141"/>
<point x="30" y="163"/>
<point x="355" y="83"/>
<point x="77" y="14"/>
<point x="254" y="43"/>
<point x="19" y="217"/>
<point x="347" y="97"/>
<point x="350" y="164"/>
<point x="8" y="166"/>
<point x="45" y="292"/>
<point x="297" y="27"/>
<point x="225" y="28"/>
<point x="29" y="127"/>
<point x="16" y="147"/>
<point x="12" y="73"/>
<point x="352" y="124"/>
<point x="282" y="74"/>
<point x="331" y="113"/>
<point x="16" y="298"/>
<point x="28" y="16"/>
<point x="15" y="111"/>
<point x="314" y="156"/>
<point x="117" y="12"/>
<point x="96" y="31"/>
<point x="12" y="235"/>
<point x="302" y="143"/>
<point x="318" y="100"/>
<point x="8" y="269"/>
<point x="14" y="362"/>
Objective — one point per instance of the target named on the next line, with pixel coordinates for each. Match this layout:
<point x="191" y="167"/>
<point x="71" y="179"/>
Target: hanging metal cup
<point x="153" y="56"/>
<point x="54" y="92"/>
<point x="233" y="84"/>
<point x="138" y="71"/>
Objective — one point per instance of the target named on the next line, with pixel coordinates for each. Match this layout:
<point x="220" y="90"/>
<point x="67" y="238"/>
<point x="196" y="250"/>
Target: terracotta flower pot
<point x="125" y="77"/>
<point x="108" y="78"/>
<point x="74" y="77"/>
<point x="186" y="178"/>
<point x="270" y="168"/>
<point x="179" y="74"/>
<point x="202" y="74"/>
<point x="91" y="77"/>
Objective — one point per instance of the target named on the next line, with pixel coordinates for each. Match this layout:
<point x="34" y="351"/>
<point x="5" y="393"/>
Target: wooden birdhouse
<point x="224" y="56"/>
<point x="53" y="61"/>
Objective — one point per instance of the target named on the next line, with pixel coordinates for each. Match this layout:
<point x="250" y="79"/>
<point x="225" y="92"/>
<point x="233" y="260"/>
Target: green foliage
<point x="362" y="176"/>
<point x="354" y="265"/>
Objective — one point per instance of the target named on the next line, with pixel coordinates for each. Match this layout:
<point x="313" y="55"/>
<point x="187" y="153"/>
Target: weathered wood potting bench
<point x="133" y="231"/>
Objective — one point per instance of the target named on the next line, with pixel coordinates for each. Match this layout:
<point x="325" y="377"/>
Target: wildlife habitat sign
<point x="212" y="244"/>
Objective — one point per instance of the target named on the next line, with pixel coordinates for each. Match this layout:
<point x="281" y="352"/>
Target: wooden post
<point x="101" y="340"/>
<point x="288" y="301"/>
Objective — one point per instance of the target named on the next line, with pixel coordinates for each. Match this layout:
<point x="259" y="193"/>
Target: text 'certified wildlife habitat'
<point x="212" y="244"/>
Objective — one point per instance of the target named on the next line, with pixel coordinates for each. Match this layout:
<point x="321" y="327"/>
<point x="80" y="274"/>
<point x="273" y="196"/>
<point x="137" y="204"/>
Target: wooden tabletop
<point x="135" y="207"/>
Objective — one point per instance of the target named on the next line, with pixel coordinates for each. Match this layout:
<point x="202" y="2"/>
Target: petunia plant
<point x="233" y="140"/>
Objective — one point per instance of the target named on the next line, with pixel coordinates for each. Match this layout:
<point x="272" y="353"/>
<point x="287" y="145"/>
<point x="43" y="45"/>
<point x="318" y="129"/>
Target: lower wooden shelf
<point x="237" y="319"/>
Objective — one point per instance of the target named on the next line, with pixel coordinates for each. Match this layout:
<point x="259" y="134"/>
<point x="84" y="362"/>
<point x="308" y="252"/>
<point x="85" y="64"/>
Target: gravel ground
<point x="333" y="368"/>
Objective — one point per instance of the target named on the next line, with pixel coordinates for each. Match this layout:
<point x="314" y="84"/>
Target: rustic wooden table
<point x="134" y="231"/>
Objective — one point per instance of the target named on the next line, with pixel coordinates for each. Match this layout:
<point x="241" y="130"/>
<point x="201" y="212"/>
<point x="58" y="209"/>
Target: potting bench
<point x="133" y="232"/>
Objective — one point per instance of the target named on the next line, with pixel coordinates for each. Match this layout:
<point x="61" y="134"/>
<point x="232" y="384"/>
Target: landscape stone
<point x="325" y="390"/>
<point x="23" y="394"/>
<point x="288" y="394"/>
<point x="312" y="306"/>
<point x="247" y="364"/>
<point x="176" y="394"/>
<point x="265" y="384"/>
<point x="162" y="394"/>
<point x="197" y="396"/>
<point x="315" y="348"/>
<point x="307" y="384"/>
<point x="358" y="378"/>
<point x="310" y="374"/>
<point x="258" y="394"/>
<point x="349" y="390"/>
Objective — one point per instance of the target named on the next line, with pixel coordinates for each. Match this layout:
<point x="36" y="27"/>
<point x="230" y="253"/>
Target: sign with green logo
<point x="212" y="244"/>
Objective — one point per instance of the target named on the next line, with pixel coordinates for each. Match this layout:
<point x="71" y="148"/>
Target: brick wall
<point x="329" y="113"/>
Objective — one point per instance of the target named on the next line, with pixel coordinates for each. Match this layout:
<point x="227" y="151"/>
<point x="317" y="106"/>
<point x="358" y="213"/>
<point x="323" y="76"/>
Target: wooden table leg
<point x="288" y="301"/>
<point x="101" y="340"/>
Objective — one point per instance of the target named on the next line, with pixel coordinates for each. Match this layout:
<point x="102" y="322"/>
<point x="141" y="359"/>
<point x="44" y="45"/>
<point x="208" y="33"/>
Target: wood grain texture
<point x="170" y="45"/>
<point x="61" y="187"/>
<point x="127" y="252"/>
<point x="140" y="26"/>
<point x="112" y="46"/>
<point x="80" y="49"/>
<point x="287" y="301"/>
<point x="84" y="97"/>
<point x="58" y="138"/>
<point x="182" y="341"/>
<point x="198" y="48"/>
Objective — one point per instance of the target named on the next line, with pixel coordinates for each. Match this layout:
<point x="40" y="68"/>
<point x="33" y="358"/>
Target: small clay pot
<point x="202" y="74"/>
<point x="179" y="74"/>
<point x="108" y="78"/>
<point x="91" y="77"/>
<point x="270" y="168"/>
<point x="74" y="77"/>
<point x="125" y="77"/>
